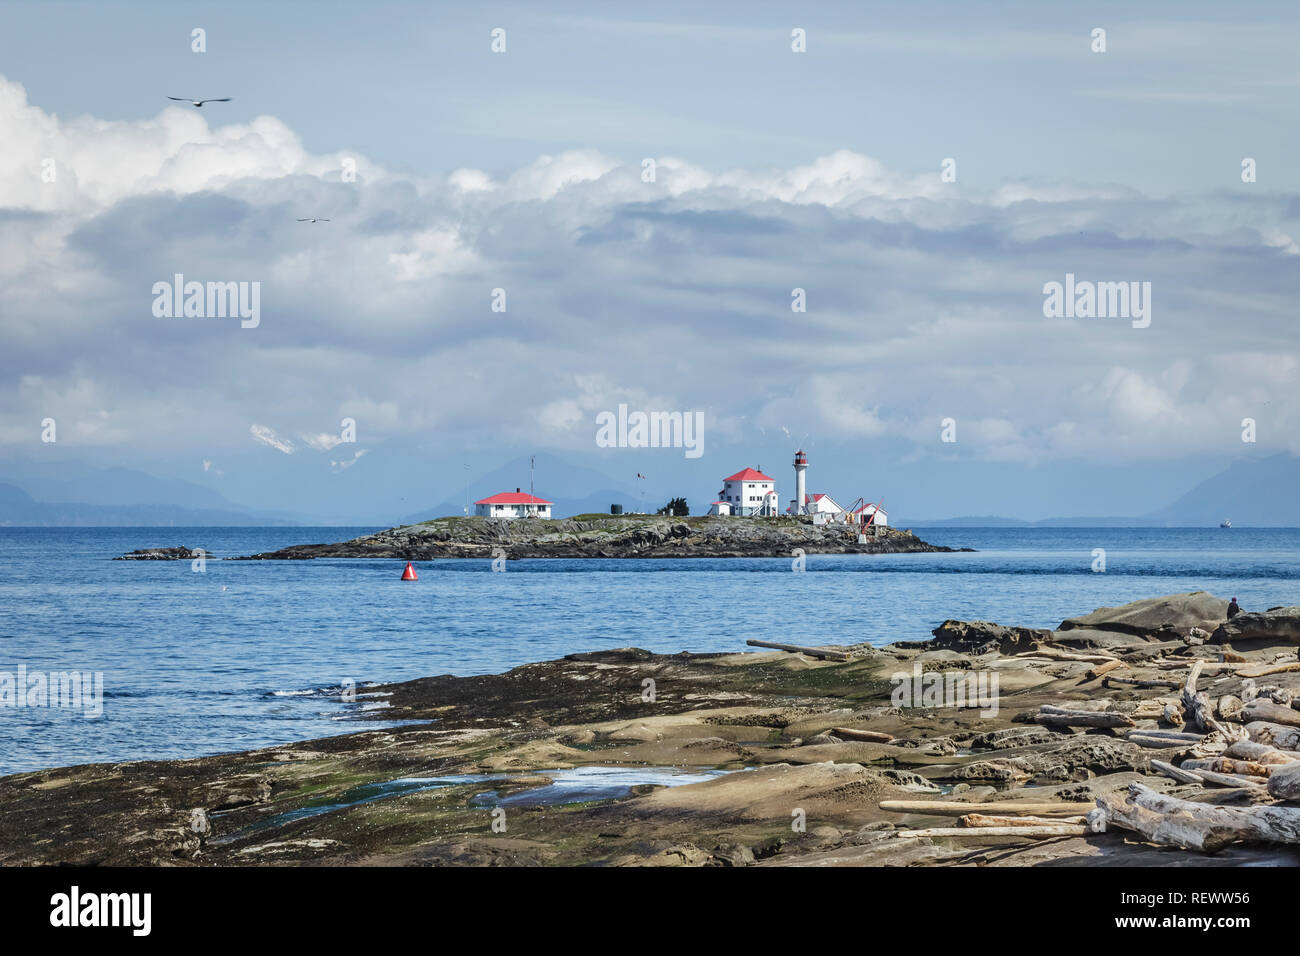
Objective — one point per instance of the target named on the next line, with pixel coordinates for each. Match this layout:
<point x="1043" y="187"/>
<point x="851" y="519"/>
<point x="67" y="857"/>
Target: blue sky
<point x="777" y="170"/>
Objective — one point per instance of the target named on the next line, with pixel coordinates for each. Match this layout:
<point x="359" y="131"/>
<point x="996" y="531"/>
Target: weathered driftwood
<point x="1267" y="669"/>
<point x="1277" y="735"/>
<point x="1155" y="743"/>
<point x="1141" y="681"/>
<point x="1261" y="753"/>
<point x="1231" y="779"/>
<point x="1182" y="736"/>
<point x="1197" y="826"/>
<point x="1173" y="714"/>
<point x="1261" y="709"/>
<point x="870" y="736"/>
<point x="1059" y="655"/>
<point x="1197" y="706"/>
<point x="1082" y="718"/>
<point x="819" y="652"/>
<point x="981" y="820"/>
<point x="953" y="808"/>
<point x="1145" y="709"/>
<point x="1027" y="833"/>
<point x="1079" y="706"/>
<point x="1229" y="707"/>
<point x="1176" y="773"/>
<point x="1106" y="668"/>
<point x="1177" y="663"/>
<point x="1221" y="764"/>
<point x="1284" y="782"/>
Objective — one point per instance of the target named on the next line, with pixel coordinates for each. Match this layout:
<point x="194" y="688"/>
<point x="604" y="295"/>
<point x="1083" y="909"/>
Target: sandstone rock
<point x="979" y="637"/>
<point x="1084" y="755"/>
<point x="1279" y="624"/>
<point x="1013" y="737"/>
<point x="999" y="770"/>
<point x="160" y="554"/>
<point x="1171" y="614"/>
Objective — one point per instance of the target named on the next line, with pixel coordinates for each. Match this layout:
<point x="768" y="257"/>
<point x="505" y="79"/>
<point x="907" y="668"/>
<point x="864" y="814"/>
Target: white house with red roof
<point x="747" y="493"/>
<point x="816" y="505"/>
<point x="513" y="504"/>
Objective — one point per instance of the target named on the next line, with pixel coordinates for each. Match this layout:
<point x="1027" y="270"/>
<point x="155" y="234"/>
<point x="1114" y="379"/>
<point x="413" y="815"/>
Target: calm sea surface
<point x="244" y="654"/>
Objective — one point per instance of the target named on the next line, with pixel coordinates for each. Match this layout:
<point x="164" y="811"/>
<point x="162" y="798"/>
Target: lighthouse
<point x="800" y="495"/>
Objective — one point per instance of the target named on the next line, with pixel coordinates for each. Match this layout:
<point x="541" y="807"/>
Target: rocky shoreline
<point x="1097" y="746"/>
<point x="610" y="536"/>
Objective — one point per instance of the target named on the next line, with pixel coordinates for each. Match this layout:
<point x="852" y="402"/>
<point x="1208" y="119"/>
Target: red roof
<point x="749" y="474"/>
<point x="512" y="498"/>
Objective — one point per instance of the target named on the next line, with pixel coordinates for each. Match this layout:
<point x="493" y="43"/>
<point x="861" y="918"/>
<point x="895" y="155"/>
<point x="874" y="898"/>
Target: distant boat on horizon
<point x="1225" y="523"/>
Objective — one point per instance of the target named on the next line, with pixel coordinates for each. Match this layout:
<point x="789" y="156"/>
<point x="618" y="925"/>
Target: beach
<point x="841" y="755"/>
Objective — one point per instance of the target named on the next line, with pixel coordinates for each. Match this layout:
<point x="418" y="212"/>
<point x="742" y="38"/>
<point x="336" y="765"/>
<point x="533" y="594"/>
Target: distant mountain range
<point x="597" y="490"/>
<point x="18" y="508"/>
<point x="1252" y="493"/>
<point x="1259" y="493"/>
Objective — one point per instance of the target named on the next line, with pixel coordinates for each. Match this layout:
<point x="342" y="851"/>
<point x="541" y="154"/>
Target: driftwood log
<point x="1055" y="654"/>
<point x="1246" y="768"/>
<point x="1176" y="773"/>
<point x="1197" y="826"/>
<point x="1261" y="753"/>
<point x="1197" y="707"/>
<point x="981" y="820"/>
<point x="1231" y="779"/>
<point x="1155" y="743"/>
<point x="1029" y="833"/>
<point x="1269" y="669"/>
<point x="1083" y="718"/>
<point x="1261" y="709"/>
<point x="1106" y="668"/>
<point x="818" y="652"/>
<point x="1277" y="735"/>
<point x="1141" y="681"/>
<point x="953" y="808"/>
<point x="1284" y="783"/>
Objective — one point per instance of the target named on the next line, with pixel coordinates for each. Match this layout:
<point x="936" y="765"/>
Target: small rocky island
<point x="612" y="536"/>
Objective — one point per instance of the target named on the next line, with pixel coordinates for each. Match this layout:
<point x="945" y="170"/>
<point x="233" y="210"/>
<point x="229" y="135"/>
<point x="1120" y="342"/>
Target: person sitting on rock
<point x="1233" y="609"/>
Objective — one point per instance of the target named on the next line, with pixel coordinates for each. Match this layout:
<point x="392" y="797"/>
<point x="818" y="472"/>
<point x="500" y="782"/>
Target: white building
<point x="513" y="504"/>
<point x="816" y="505"/>
<point x="720" y="508"/>
<point x="870" y="513"/>
<point x="748" y="493"/>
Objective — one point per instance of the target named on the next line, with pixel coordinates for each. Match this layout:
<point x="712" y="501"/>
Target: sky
<point x="922" y="172"/>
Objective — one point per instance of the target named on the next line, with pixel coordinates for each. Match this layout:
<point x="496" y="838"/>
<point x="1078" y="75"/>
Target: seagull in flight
<point x="313" y="220"/>
<point x="198" y="104"/>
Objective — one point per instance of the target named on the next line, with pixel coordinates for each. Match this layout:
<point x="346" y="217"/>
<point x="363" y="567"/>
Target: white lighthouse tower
<point x="800" y="492"/>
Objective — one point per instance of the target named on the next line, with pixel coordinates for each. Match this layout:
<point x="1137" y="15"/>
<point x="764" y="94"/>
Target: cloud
<point x="924" y="301"/>
<point x="267" y="436"/>
<point x="347" y="462"/>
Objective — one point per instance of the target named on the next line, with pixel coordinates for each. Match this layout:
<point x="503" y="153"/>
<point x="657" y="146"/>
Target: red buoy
<point x="409" y="574"/>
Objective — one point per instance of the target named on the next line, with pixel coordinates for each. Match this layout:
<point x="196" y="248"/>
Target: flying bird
<point x="313" y="220"/>
<point x="198" y="103"/>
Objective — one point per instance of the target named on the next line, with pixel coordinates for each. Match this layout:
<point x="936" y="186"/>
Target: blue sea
<point x="250" y="654"/>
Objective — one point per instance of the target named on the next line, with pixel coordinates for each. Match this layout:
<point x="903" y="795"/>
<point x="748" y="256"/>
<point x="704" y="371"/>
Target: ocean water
<point x="250" y="654"/>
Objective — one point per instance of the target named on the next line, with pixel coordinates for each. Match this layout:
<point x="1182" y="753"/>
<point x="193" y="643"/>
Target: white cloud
<point x="267" y="436"/>
<point x="924" y="300"/>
